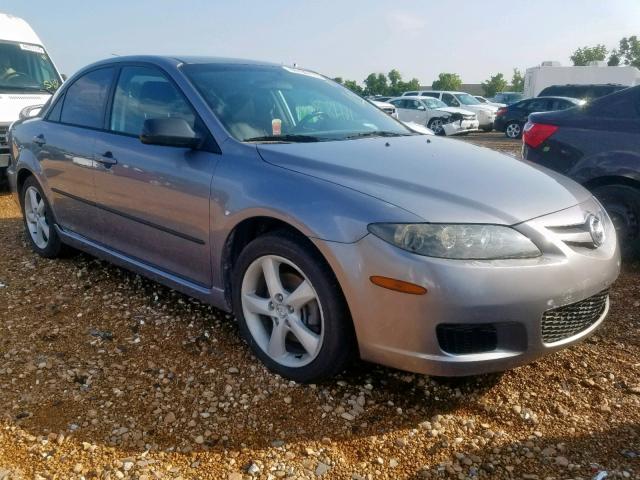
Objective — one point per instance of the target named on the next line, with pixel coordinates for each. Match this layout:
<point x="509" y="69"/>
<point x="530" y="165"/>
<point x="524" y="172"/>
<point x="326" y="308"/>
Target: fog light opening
<point x="397" y="285"/>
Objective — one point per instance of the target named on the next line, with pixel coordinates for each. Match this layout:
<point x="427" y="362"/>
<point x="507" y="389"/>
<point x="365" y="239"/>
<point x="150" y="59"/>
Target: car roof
<point x="557" y="97"/>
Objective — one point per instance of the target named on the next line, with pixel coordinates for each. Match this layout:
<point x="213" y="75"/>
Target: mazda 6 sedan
<point x="329" y="228"/>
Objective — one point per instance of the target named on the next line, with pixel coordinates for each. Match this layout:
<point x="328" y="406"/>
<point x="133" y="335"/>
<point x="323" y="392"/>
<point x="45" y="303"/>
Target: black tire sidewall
<point x="430" y="124"/>
<point x="338" y="344"/>
<point x="629" y="196"/>
<point x="54" y="245"/>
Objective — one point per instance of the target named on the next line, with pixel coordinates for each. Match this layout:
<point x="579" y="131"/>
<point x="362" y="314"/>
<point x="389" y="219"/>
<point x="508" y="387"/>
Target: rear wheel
<point x="290" y="308"/>
<point x="622" y="203"/>
<point x="513" y="130"/>
<point x="38" y="220"/>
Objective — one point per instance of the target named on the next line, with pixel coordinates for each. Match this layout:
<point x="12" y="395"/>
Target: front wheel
<point x="622" y="203"/>
<point x="290" y="308"/>
<point x="513" y="130"/>
<point x="436" y="125"/>
<point x="38" y="220"/>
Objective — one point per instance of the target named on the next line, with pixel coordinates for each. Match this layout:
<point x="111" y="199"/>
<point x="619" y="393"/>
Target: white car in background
<point x="435" y="115"/>
<point x="486" y="113"/>
<point x="385" y="107"/>
<point x="484" y="101"/>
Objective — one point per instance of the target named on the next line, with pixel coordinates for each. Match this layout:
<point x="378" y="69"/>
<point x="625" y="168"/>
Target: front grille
<point x="564" y="322"/>
<point x="461" y="339"/>
<point x="4" y="146"/>
<point x="469" y="117"/>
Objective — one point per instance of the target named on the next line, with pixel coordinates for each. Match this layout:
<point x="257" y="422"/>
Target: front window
<point x="273" y="103"/>
<point x="466" y="99"/>
<point x="26" y="67"/>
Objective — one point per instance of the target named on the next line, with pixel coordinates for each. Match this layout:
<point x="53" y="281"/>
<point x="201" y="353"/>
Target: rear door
<point x="154" y="199"/>
<point x="404" y="113"/>
<point x="66" y="144"/>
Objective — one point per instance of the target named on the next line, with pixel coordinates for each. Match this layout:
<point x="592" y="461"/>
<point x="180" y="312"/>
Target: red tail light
<point x="536" y="133"/>
<point x="501" y="111"/>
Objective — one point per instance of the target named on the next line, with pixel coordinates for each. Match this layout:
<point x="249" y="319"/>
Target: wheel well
<point x="22" y="177"/>
<point x="611" y="180"/>
<point x="248" y="230"/>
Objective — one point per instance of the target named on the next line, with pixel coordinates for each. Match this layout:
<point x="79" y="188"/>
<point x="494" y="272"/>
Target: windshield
<point x="273" y="103"/>
<point x="467" y="99"/>
<point x="432" y="103"/>
<point x="26" y="67"/>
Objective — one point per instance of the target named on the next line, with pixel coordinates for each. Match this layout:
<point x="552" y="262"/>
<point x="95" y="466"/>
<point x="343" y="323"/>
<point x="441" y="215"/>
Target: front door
<point x="154" y="199"/>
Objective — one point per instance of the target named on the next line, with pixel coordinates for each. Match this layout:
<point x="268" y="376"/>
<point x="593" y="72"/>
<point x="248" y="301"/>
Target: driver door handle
<point x="107" y="159"/>
<point x="39" y="140"/>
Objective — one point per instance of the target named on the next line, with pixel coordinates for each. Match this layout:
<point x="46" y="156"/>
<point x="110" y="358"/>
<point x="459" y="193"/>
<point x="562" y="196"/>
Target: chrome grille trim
<point x="564" y="322"/>
<point x="577" y="234"/>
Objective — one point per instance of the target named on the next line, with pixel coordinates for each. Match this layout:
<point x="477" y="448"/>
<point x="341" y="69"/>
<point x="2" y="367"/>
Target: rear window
<point x="85" y="100"/>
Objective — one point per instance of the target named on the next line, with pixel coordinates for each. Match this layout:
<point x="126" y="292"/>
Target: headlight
<point x="457" y="241"/>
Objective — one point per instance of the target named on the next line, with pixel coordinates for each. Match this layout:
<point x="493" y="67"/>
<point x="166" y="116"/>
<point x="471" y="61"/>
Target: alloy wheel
<point x="35" y="211"/>
<point x="513" y="130"/>
<point x="436" y="126"/>
<point x="282" y="311"/>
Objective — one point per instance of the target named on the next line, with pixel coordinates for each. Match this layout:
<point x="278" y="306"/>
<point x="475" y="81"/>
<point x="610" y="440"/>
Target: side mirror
<point x="64" y="77"/>
<point x="30" y="111"/>
<point x="421" y="107"/>
<point x="169" y="132"/>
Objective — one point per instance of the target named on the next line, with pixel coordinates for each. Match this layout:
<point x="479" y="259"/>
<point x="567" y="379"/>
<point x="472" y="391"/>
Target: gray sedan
<point x="325" y="225"/>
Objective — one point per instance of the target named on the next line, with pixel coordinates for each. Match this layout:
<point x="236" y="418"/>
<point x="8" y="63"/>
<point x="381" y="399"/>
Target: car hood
<point x="12" y="103"/>
<point x="437" y="179"/>
<point x="461" y="111"/>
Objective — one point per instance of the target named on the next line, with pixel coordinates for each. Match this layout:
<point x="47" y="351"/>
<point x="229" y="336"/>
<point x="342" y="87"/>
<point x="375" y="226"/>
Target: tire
<point x="513" y="130"/>
<point x="38" y="221"/>
<point x="435" y="124"/>
<point x="622" y="203"/>
<point x="273" y="324"/>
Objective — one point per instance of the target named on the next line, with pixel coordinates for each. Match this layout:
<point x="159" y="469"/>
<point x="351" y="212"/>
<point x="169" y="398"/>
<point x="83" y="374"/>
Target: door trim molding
<point x="131" y="217"/>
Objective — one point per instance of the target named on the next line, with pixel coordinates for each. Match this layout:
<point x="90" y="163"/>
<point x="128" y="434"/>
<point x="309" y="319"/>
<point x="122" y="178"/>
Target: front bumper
<point x="486" y="119"/>
<point x="400" y="330"/>
<point x="460" y="126"/>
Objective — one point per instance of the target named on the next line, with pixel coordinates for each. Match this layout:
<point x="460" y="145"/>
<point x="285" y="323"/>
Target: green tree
<point x="629" y="51"/>
<point x="495" y="84"/>
<point x="584" y="55"/>
<point x="394" y="77"/>
<point x="376" y="84"/>
<point x="354" y="87"/>
<point x="517" y="81"/>
<point x="339" y="80"/>
<point x="447" y="81"/>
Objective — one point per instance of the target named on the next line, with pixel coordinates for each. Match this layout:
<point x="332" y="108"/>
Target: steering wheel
<point x="15" y="76"/>
<point x="307" y="119"/>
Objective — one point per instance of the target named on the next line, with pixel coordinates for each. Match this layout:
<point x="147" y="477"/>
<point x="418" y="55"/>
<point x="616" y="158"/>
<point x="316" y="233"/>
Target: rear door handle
<point x="39" y="140"/>
<point x="107" y="159"/>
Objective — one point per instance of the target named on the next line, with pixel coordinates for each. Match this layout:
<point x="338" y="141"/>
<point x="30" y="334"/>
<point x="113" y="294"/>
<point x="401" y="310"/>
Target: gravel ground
<point x="107" y="375"/>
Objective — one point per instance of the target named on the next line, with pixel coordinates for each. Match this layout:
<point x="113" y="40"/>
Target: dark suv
<point x="511" y="119"/>
<point x="598" y="146"/>
<point x="584" y="92"/>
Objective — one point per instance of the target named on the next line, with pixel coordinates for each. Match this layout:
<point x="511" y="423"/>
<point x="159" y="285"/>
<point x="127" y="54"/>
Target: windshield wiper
<point x="283" y="138"/>
<point x="379" y="133"/>
<point x="27" y="88"/>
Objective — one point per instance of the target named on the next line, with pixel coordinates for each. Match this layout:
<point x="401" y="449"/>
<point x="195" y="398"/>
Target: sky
<point x="345" y="38"/>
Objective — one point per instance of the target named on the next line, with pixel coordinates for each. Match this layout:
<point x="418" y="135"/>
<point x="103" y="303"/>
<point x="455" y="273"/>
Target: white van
<point x="27" y="75"/>
<point x="548" y="74"/>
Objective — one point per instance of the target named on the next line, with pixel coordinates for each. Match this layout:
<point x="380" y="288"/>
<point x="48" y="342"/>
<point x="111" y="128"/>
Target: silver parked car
<point x="325" y="225"/>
